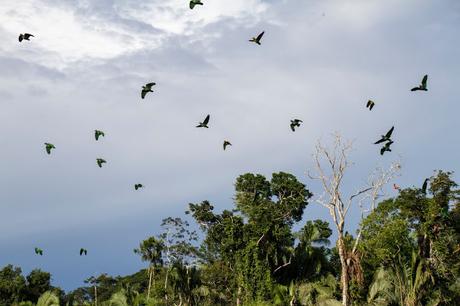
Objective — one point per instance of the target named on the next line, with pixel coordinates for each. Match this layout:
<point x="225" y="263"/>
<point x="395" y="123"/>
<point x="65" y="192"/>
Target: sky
<point x="320" y="61"/>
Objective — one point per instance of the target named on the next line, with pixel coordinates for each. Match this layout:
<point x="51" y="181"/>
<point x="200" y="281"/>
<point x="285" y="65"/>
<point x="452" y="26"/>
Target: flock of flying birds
<point x="295" y="123"/>
<point x="387" y="137"/>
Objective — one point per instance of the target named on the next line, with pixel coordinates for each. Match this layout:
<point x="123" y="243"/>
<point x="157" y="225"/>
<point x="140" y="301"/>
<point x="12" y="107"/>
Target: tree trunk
<point x="344" y="275"/>
<point x="150" y="282"/>
<point x="166" y="285"/>
<point x="95" y="295"/>
<point x="238" y="302"/>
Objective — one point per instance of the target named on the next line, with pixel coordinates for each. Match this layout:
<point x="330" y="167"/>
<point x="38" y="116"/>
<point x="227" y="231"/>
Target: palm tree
<point x="403" y="282"/>
<point x="184" y="280"/>
<point x="118" y="299"/>
<point x="48" y="299"/>
<point x="151" y="250"/>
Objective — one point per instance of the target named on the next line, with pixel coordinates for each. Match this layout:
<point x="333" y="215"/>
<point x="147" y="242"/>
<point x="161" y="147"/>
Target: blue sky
<point x="319" y="61"/>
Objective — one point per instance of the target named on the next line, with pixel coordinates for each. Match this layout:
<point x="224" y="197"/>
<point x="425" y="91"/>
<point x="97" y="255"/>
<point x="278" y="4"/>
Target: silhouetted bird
<point x="257" y="39"/>
<point x="370" y="104"/>
<point x="25" y="36"/>
<point x="396" y="187"/>
<point x="83" y="251"/>
<point x="49" y="147"/>
<point x="386" y="137"/>
<point x="226" y="143"/>
<point x="39" y="251"/>
<point x="137" y="186"/>
<point x="100" y="161"/>
<point x="195" y="2"/>
<point x="425" y="185"/>
<point x="421" y="86"/>
<point x="295" y="123"/>
<point x="146" y="89"/>
<point x="386" y="147"/>
<point x="204" y="123"/>
<point x="98" y="133"/>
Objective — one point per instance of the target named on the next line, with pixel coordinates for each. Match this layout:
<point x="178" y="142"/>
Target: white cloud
<point x="79" y="31"/>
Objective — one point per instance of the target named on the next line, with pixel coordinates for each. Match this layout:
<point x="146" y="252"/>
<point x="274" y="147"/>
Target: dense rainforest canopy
<point x="408" y="254"/>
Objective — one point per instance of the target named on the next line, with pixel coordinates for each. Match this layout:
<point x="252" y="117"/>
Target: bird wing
<point x="28" y="35"/>
<point x="143" y="93"/>
<point x="380" y="141"/>
<point x="206" y="120"/>
<point x="21" y="37"/>
<point x="192" y="4"/>
<point x="81" y="252"/>
<point x="425" y="185"/>
<point x="372" y="106"/>
<point x="149" y="85"/>
<point x="259" y="37"/>
<point x="368" y="103"/>
<point x="424" y="80"/>
<point x="388" y="134"/>
<point x="382" y="150"/>
<point x="415" y="89"/>
<point x="96" y="135"/>
<point x="292" y="127"/>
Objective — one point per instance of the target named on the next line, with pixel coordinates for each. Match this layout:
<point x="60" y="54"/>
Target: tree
<point x="178" y="245"/>
<point x="38" y="282"/>
<point x="331" y="165"/>
<point x="255" y="241"/>
<point x="151" y="250"/>
<point x="418" y="220"/>
<point x="12" y="285"/>
<point x="104" y="286"/>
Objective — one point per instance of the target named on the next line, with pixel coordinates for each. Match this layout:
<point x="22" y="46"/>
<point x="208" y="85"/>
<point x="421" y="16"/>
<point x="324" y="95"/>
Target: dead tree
<point x="331" y="165"/>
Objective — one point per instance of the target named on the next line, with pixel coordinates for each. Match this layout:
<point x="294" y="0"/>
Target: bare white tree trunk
<point x="331" y="165"/>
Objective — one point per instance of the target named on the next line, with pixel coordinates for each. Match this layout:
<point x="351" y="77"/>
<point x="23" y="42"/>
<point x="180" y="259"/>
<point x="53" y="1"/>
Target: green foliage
<point x="409" y="251"/>
<point x="12" y="285"/>
<point x="48" y="299"/>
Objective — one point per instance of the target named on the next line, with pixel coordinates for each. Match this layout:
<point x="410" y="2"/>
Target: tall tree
<point x="179" y="245"/>
<point x="151" y="250"/>
<point x="257" y="243"/>
<point x="331" y="165"/>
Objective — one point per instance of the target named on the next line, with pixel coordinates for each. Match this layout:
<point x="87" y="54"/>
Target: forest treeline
<point x="408" y="254"/>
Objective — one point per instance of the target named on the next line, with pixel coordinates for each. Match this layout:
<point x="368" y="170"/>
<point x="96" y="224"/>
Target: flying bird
<point x="100" y="161"/>
<point x="39" y="251"/>
<point x="386" y="137"/>
<point x="204" y="123"/>
<point x="195" y="2"/>
<point x="98" y="134"/>
<point x="49" y="147"/>
<point x="25" y="36"/>
<point x="83" y="251"/>
<point x="137" y="186"/>
<point x="423" y="85"/>
<point x="146" y="89"/>
<point x="257" y="39"/>
<point x="370" y="104"/>
<point x="396" y="187"/>
<point x="386" y="147"/>
<point x="295" y="123"/>
<point x="226" y="143"/>
<point x="425" y="185"/>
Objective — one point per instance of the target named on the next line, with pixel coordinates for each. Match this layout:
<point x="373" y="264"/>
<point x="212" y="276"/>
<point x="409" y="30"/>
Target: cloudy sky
<point x="320" y="60"/>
